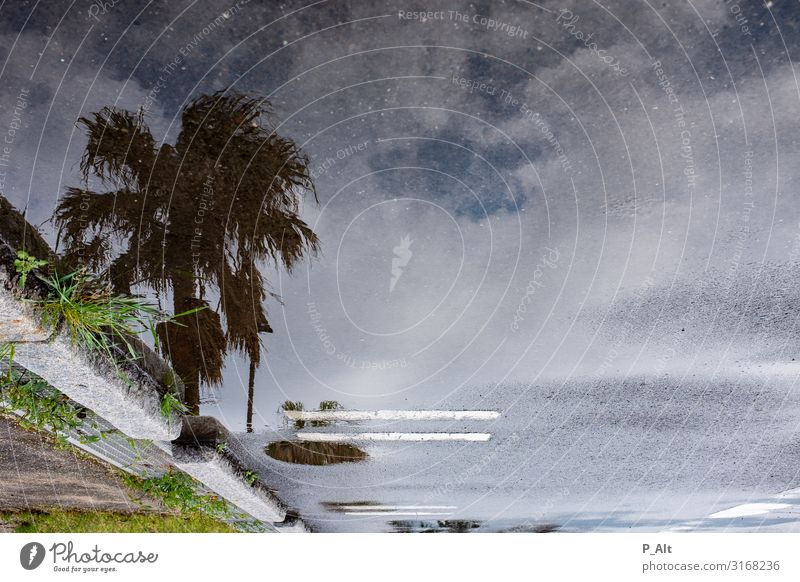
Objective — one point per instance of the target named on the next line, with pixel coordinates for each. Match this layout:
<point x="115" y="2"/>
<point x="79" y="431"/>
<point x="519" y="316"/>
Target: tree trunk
<point x="250" y="395"/>
<point x="181" y="356"/>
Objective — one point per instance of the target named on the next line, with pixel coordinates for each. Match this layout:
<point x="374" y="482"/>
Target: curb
<point x="206" y="451"/>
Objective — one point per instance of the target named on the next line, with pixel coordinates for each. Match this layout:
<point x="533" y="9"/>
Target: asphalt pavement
<point x="647" y="454"/>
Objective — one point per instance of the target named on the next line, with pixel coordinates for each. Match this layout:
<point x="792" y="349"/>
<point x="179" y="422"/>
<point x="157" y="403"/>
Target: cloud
<point x="486" y="149"/>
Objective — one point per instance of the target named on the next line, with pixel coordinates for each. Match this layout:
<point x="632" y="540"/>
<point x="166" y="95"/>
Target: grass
<point x="170" y="404"/>
<point x="99" y="319"/>
<point x="178" y="491"/>
<point x="7" y="353"/>
<point x="251" y="477"/>
<point x="42" y="407"/>
<point x="60" y="521"/>
<point x="95" y="316"/>
<point x="187" y="510"/>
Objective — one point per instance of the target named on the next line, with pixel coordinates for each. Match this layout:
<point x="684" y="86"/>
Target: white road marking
<point x="393" y="436"/>
<point x="391" y="414"/>
<point x="368" y="508"/>
<point x="748" y="509"/>
<point x="745" y="510"/>
<point x="398" y="513"/>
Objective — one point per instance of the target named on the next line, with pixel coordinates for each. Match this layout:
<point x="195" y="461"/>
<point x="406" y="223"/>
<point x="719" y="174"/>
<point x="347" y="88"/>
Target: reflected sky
<point x="508" y="191"/>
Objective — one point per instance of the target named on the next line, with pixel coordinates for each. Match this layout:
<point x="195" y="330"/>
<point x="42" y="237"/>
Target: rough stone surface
<point x="17" y="321"/>
<point x="36" y="476"/>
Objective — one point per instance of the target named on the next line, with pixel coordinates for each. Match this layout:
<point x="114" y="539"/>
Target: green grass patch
<point x="179" y="491"/>
<point x="95" y="316"/>
<point x="67" y="521"/>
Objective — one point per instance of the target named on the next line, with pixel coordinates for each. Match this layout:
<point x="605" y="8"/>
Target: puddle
<point x="341" y="506"/>
<point x="439" y="526"/>
<point x="314" y="453"/>
<point x="541" y="528"/>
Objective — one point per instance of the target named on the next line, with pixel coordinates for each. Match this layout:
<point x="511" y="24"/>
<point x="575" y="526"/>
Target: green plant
<point x="179" y="491"/>
<point x="329" y="405"/>
<point x="298" y="406"/>
<point x="24" y="264"/>
<point x="98" y="318"/>
<point x="171" y="404"/>
<point x="222" y="448"/>
<point x="7" y="353"/>
<point x="41" y="406"/>
<point x="94" y="315"/>
<point x="138" y="455"/>
<point x="251" y="477"/>
<point x="326" y="405"/>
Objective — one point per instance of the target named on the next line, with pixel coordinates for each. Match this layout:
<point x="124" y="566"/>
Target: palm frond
<point x="120" y="147"/>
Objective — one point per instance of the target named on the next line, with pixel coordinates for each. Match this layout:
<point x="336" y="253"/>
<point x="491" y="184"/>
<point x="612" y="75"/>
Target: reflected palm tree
<point x="197" y="218"/>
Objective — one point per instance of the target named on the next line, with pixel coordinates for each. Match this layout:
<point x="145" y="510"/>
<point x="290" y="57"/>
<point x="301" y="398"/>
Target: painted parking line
<point x="394" y="436"/>
<point x="391" y="414"/>
<point x="748" y="509"/>
<point x="366" y="508"/>
<point x="772" y="508"/>
<point x="399" y="513"/>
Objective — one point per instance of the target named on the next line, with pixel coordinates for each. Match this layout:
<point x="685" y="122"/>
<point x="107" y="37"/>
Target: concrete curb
<point x="134" y="408"/>
<point x="197" y="451"/>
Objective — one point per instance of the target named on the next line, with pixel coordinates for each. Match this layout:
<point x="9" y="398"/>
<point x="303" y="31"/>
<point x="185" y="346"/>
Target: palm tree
<point x="198" y="217"/>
